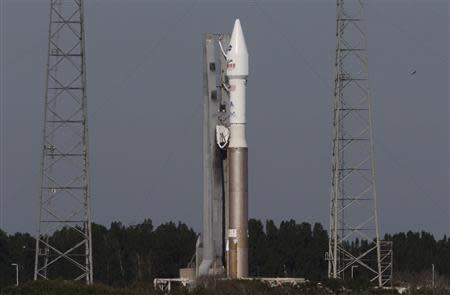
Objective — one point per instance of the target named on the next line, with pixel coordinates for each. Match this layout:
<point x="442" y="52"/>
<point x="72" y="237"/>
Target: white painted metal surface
<point x="237" y="72"/>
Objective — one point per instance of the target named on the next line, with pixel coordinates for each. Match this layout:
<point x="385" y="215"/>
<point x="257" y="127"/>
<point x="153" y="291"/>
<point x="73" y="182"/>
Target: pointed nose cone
<point x="237" y="56"/>
<point x="237" y="41"/>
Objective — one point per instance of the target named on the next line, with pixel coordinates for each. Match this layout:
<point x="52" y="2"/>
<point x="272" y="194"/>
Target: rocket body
<point x="237" y="73"/>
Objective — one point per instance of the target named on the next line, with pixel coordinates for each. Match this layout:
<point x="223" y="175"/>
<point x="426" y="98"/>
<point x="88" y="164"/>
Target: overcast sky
<point x="144" y="72"/>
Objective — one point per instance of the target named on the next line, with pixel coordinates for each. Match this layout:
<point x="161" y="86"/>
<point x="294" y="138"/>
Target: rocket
<point x="237" y="73"/>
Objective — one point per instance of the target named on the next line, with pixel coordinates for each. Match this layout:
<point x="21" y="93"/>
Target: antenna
<point x="64" y="192"/>
<point x="353" y="209"/>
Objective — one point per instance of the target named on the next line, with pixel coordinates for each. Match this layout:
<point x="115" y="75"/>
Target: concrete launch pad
<point x="166" y="285"/>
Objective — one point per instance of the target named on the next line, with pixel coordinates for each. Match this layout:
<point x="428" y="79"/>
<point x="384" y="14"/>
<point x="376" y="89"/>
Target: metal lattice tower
<point x="353" y="210"/>
<point x="64" y="195"/>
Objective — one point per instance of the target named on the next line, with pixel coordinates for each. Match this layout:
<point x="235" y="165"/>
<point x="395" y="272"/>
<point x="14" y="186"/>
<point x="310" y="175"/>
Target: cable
<point x="187" y="12"/>
<point x="2" y="126"/>
<point x="425" y="45"/>
<point x="410" y="178"/>
<point x="292" y="45"/>
<point x="128" y="76"/>
<point x="187" y="127"/>
<point x="377" y="141"/>
<point x="20" y="57"/>
<point x="172" y="152"/>
<point x="176" y="148"/>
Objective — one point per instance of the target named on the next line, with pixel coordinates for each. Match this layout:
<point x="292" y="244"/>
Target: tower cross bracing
<point x="64" y="192"/>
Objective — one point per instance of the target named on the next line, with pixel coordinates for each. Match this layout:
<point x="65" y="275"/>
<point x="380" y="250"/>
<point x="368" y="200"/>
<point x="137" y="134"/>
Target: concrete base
<point x="187" y="273"/>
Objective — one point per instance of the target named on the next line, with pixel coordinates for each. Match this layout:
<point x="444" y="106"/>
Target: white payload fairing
<point x="237" y="73"/>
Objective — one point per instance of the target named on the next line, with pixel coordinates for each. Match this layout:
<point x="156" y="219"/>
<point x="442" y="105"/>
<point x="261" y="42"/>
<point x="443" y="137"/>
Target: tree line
<point x="125" y="254"/>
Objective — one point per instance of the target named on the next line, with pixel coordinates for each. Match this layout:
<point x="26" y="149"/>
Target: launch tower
<point x="64" y="193"/>
<point x="224" y="241"/>
<point x="353" y="209"/>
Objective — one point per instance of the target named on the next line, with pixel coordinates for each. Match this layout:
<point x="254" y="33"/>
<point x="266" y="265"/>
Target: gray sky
<point x="145" y="92"/>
